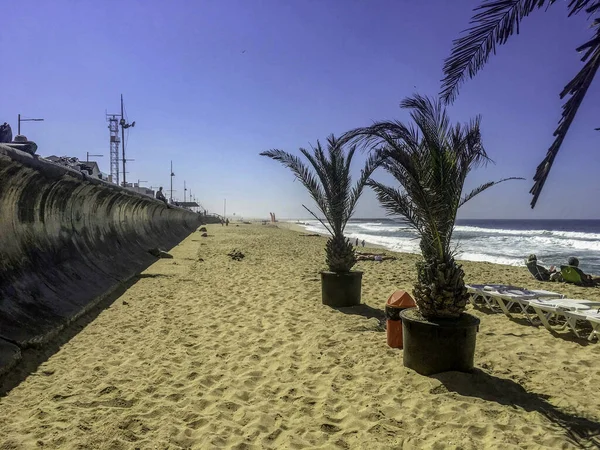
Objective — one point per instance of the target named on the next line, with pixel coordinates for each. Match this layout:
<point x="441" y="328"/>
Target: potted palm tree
<point x="328" y="181"/>
<point x="431" y="160"/>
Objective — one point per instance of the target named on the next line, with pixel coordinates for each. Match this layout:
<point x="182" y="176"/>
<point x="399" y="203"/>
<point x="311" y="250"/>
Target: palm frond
<point x="382" y="134"/>
<point x="492" y="25"/>
<point x="329" y="182"/>
<point x="589" y="6"/>
<point x="397" y="203"/>
<point x="577" y="89"/>
<point x="319" y="219"/>
<point x="302" y="173"/>
<point x="495" y="22"/>
<point x="478" y="190"/>
<point x="430" y="159"/>
<point x="374" y="160"/>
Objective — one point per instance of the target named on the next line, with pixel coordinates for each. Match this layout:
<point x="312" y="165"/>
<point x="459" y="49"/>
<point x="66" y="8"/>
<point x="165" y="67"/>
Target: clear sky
<point x="212" y="83"/>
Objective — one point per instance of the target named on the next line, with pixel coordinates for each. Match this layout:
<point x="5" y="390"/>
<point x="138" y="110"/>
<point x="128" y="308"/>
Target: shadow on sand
<point x="364" y="310"/>
<point x="33" y="357"/>
<point x="151" y="275"/>
<point x="579" y="431"/>
<point x="367" y="312"/>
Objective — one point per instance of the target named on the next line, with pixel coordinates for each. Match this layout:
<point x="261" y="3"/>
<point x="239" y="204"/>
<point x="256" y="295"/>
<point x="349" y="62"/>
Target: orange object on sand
<point x="397" y="302"/>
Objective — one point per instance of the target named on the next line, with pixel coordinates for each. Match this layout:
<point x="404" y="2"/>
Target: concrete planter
<point x="341" y="289"/>
<point x="438" y="346"/>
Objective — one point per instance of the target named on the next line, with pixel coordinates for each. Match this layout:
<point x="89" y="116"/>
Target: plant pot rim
<point x="352" y="272"/>
<point x="465" y="320"/>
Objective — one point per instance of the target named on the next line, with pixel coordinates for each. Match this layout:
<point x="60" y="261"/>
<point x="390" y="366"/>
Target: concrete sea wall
<point x="67" y="241"/>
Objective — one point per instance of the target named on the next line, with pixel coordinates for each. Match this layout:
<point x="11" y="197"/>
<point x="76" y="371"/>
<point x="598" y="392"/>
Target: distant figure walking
<point x="226" y="222"/>
<point x="161" y="196"/>
<point x="363" y="242"/>
<point x="356" y="242"/>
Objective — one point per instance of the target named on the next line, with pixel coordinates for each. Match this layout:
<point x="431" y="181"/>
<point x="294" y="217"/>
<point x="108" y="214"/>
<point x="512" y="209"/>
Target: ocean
<point x="497" y="241"/>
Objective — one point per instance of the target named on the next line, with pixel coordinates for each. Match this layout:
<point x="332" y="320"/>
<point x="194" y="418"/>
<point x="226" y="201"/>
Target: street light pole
<point x="19" y="120"/>
<point x="87" y="156"/>
<point x="124" y="125"/>
<point x="172" y="175"/>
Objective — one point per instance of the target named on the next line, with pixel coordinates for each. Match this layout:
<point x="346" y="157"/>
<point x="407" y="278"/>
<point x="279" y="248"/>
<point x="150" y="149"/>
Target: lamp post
<point x="171" y="191"/>
<point x="19" y="120"/>
<point x="87" y="156"/>
<point x="124" y="126"/>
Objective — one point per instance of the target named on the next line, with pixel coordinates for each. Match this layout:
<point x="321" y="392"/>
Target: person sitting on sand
<point x="586" y="280"/>
<point x="540" y="273"/>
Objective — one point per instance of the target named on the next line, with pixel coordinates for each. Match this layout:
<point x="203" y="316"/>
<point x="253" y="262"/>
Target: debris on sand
<point x="202" y="229"/>
<point x="159" y="253"/>
<point x="236" y="255"/>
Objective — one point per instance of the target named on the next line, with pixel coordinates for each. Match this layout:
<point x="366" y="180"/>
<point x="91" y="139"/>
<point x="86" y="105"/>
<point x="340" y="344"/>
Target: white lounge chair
<point x="485" y="292"/>
<point x="509" y="297"/>
<point x="545" y="309"/>
<point x="592" y="316"/>
<point x="505" y="296"/>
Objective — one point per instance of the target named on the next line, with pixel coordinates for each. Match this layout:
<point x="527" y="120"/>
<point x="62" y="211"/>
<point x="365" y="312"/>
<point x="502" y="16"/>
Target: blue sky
<point x="211" y="84"/>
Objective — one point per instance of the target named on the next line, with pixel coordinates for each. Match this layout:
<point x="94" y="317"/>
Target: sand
<point x="241" y="354"/>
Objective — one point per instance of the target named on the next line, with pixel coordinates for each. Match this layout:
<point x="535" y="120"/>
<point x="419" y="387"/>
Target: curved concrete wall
<point x="66" y="240"/>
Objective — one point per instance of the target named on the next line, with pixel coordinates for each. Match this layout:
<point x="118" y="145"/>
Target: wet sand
<point x="206" y="352"/>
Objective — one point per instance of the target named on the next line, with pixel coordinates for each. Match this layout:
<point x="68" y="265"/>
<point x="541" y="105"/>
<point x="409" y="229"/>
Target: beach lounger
<point x="570" y="275"/>
<point x="505" y="296"/>
<point x="545" y="309"/>
<point x="484" y="292"/>
<point x="592" y="316"/>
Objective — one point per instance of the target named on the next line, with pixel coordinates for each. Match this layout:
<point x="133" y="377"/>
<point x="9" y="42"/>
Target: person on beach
<point x="586" y="280"/>
<point x="161" y="196"/>
<point x="5" y="133"/>
<point x="374" y="257"/>
<point x="363" y="243"/>
<point x="356" y="242"/>
<point x="540" y="273"/>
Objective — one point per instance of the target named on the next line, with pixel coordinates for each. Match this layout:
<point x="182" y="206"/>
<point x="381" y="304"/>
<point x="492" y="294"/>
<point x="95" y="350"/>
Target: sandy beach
<point x="206" y="352"/>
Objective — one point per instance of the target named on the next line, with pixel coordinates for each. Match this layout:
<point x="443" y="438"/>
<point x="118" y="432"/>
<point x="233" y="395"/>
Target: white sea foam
<point x="496" y="245"/>
<point x="559" y="234"/>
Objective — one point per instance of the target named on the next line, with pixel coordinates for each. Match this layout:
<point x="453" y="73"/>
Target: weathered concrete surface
<point x="10" y="354"/>
<point x="66" y="240"/>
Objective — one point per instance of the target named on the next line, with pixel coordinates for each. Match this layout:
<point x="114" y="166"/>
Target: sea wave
<point x="495" y="245"/>
<point x="560" y="234"/>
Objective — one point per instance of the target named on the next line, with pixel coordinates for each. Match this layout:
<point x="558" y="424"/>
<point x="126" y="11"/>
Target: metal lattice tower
<point x="115" y="140"/>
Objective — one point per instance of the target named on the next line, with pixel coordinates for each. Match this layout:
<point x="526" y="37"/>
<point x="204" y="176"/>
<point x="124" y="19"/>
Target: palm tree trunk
<point x="440" y="291"/>
<point x="339" y="254"/>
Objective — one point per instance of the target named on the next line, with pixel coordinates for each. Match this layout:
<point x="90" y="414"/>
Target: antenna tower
<point x="115" y="140"/>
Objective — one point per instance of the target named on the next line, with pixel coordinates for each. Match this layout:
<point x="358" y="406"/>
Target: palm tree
<point x="494" y="22"/>
<point x="330" y="185"/>
<point x="431" y="160"/>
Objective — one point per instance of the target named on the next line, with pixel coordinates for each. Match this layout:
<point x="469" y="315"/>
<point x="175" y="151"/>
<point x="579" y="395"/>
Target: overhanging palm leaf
<point x="329" y="183"/>
<point x="430" y="160"/>
<point x="483" y="187"/>
<point x="494" y="22"/>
